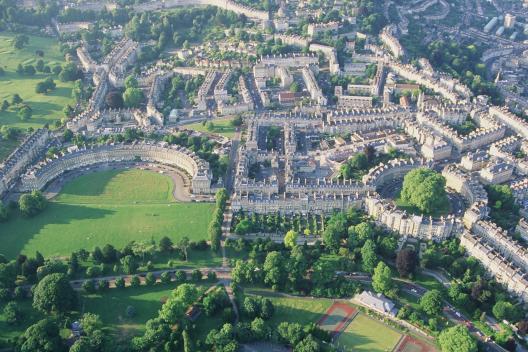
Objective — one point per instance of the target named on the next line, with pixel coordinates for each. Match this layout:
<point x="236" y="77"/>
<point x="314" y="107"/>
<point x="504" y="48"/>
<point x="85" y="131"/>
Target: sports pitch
<point x="366" y="334"/>
<point x="113" y="207"/>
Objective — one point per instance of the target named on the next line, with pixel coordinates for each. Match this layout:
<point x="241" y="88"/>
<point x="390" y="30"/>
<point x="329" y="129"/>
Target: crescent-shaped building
<point x="181" y="158"/>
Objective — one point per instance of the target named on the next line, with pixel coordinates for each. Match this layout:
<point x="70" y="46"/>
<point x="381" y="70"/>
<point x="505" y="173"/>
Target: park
<point x="103" y="207"/>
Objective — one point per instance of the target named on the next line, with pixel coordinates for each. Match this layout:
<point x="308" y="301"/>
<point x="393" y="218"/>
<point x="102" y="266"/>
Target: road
<point x="224" y="276"/>
<point x="233" y="158"/>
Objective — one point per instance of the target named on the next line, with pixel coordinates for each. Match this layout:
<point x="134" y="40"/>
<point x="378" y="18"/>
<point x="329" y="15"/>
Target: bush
<point x="89" y="286"/>
<point x="5" y="294"/>
<point x="93" y="271"/>
<point x="103" y="285"/>
<point x="20" y="293"/>
<point x="150" y="279"/>
<point x="165" y="278"/>
<point x="196" y="275"/>
<point x="12" y="313"/>
<point x="180" y="277"/>
<point x="120" y="282"/>
<point x="211" y="276"/>
<point x="135" y="281"/>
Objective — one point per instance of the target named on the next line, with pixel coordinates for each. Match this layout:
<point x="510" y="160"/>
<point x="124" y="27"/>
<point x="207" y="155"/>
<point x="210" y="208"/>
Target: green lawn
<point x="46" y="108"/>
<point x="366" y="334"/>
<point x="113" y="207"/>
<point x="294" y="310"/>
<point x="111" y="306"/>
<point x="7" y="146"/>
<point x="221" y="126"/>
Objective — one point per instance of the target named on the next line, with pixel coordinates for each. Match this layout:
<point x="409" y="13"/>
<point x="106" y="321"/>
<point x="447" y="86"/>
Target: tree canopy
<point x="457" y="339"/>
<point x="425" y="189"/>
<point x="53" y="294"/>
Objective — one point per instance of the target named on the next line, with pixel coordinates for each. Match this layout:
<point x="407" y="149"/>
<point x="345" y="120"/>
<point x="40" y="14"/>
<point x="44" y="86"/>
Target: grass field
<point x="7" y="146"/>
<point x="221" y="126"/>
<point x="46" y="108"/>
<point x="366" y="334"/>
<point x="113" y="207"/>
<point x="111" y="306"/>
<point x="294" y="310"/>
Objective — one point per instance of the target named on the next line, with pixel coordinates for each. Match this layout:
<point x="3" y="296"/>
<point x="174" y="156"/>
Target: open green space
<point x="366" y="334"/>
<point x="113" y="207"/>
<point x="7" y="146"/>
<point x="47" y="108"/>
<point x="220" y="126"/>
<point x="294" y="309"/>
<point x="111" y="306"/>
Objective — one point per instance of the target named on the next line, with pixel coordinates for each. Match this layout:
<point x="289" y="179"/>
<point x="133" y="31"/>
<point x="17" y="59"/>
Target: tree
<point x="308" y="344"/>
<point x="431" y="302"/>
<point x="503" y="310"/>
<point x="135" y="281"/>
<point x="129" y="264"/>
<point x="196" y="275"/>
<point x="183" y="296"/>
<point x="12" y="313"/>
<point x="150" y="279"/>
<point x="294" y="87"/>
<point x="53" y="294"/>
<point x="183" y="245"/>
<point x="133" y="97"/>
<point x="187" y="342"/>
<point x="425" y="189"/>
<point x="29" y="70"/>
<point x="44" y="336"/>
<point x="382" y="280"/>
<point x="40" y="65"/>
<point x="290" y="239"/>
<point x="31" y="204"/>
<point x="131" y="82"/>
<point x="114" y="100"/>
<point x="331" y="237"/>
<point x="406" y="261"/>
<point x="69" y="72"/>
<point x="120" y="282"/>
<point x="274" y="269"/>
<point x="25" y="113"/>
<point x="165" y="244"/>
<point x="20" y="41"/>
<point x="45" y="86"/>
<point x="457" y="339"/>
<point x="165" y="278"/>
<point x="368" y="256"/>
<point x="90" y="323"/>
<point x="5" y="105"/>
<point x="16" y="99"/>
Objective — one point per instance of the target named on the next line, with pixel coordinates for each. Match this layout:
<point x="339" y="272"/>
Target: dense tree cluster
<point x="357" y="166"/>
<point x="504" y="211"/>
<point x="45" y="86"/>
